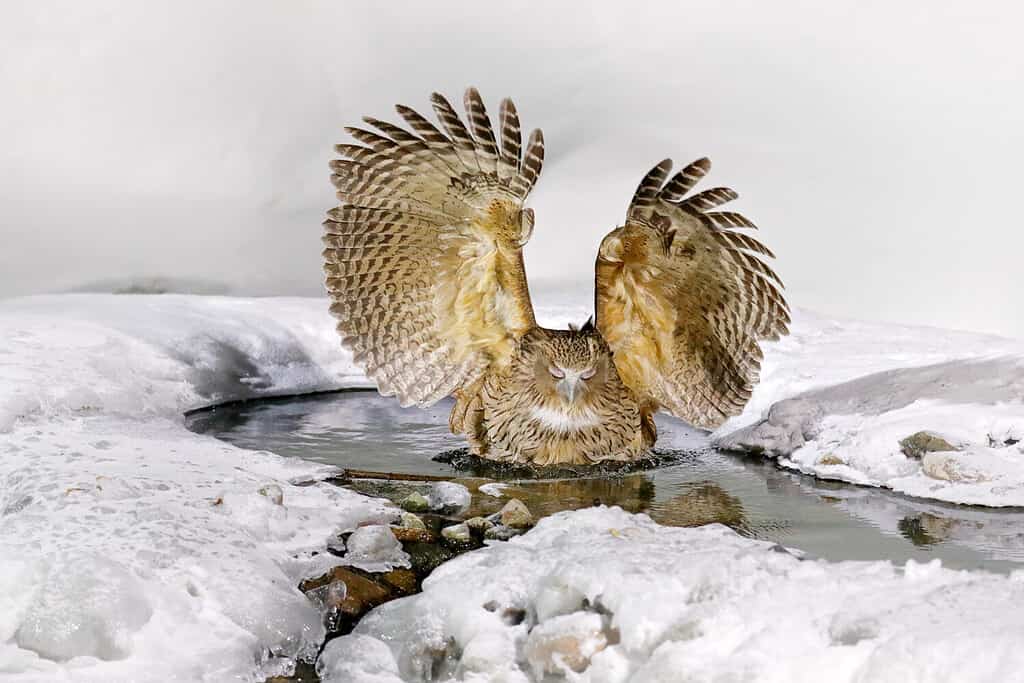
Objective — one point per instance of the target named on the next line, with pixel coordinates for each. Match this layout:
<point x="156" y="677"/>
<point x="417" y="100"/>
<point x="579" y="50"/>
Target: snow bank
<point x="120" y="531"/>
<point x="603" y="595"/>
<point x="836" y="398"/>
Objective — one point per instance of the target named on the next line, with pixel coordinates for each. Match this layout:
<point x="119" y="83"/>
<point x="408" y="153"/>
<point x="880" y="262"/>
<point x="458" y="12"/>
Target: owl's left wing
<point x="683" y="297"/>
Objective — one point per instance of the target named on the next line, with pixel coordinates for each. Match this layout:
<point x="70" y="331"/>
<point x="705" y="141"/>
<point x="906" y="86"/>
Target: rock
<point x="500" y="532"/>
<point x="916" y="445"/>
<point x="411" y="521"/>
<point x="273" y="492"/>
<point x="515" y="514"/>
<point x="415" y="502"/>
<point x="479" y="525"/>
<point x="405" y="534"/>
<point x="403" y="580"/>
<point x="830" y="459"/>
<point x="448" y="497"/>
<point x="360" y="593"/>
<point x="457" y="534"/>
<point x="565" y="643"/>
<point x="412" y="528"/>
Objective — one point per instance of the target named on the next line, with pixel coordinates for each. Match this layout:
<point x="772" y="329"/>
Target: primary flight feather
<point x="424" y="267"/>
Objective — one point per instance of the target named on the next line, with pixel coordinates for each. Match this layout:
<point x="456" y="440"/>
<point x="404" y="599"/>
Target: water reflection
<point x="699" y="486"/>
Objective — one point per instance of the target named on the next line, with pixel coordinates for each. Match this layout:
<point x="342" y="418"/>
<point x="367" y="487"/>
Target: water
<point x="364" y="431"/>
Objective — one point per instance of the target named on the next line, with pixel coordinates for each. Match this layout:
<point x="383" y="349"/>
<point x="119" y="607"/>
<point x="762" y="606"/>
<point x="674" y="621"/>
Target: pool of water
<point x="364" y="431"/>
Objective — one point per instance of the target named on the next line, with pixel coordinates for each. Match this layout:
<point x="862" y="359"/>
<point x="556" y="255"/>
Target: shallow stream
<point x="364" y="431"/>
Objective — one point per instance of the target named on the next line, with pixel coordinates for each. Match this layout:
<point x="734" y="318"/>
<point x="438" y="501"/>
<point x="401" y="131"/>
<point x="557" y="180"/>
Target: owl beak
<point x="569" y="387"/>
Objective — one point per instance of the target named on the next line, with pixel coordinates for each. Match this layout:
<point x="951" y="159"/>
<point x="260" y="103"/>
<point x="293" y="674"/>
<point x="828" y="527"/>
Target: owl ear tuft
<point x="589" y="325"/>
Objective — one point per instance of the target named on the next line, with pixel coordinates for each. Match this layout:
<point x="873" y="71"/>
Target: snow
<point x="121" y="531"/>
<point x="603" y="595"/>
<point x="836" y="398"/>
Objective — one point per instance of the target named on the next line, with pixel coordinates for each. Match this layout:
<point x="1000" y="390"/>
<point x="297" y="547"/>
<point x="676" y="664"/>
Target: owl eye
<point x="557" y="373"/>
<point x="589" y="373"/>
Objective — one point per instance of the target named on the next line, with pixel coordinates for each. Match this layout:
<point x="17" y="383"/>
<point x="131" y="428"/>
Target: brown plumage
<point x="424" y="268"/>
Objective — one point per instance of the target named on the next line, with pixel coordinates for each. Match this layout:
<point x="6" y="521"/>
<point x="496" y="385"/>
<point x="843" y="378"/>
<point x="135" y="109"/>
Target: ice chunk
<point x="87" y="606"/>
<point x="357" y="658"/>
<point x="374" y="548"/>
<point x="449" y="497"/>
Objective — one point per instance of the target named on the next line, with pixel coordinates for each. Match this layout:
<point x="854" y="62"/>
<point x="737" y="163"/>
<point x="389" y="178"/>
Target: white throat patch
<point x="565" y="422"/>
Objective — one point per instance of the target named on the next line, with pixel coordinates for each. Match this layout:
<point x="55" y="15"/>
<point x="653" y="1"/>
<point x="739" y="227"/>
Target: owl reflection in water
<point x="424" y="267"/>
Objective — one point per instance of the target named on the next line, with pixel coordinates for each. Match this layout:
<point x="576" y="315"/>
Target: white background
<point x="877" y="144"/>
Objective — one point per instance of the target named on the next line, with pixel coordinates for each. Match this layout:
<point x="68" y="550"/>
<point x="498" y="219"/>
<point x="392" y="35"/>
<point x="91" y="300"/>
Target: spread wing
<point x="683" y="296"/>
<point x="423" y="258"/>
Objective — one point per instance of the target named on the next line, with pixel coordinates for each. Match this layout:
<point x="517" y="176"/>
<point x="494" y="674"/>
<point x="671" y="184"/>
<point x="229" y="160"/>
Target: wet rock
<point x="402" y="580"/>
<point x="415" y="502"/>
<point x="565" y="643"/>
<point x="273" y="492"/>
<point x="479" y="525"/>
<point x="361" y="591"/>
<point x="916" y="445"/>
<point x="412" y="528"/>
<point x="405" y="534"/>
<point x="411" y="521"/>
<point x="447" y="497"/>
<point x="426" y="557"/>
<point x="500" y="532"/>
<point x="457" y="534"/>
<point x="515" y="514"/>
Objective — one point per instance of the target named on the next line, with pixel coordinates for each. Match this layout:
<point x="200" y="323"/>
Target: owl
<point x="424" y="268"/>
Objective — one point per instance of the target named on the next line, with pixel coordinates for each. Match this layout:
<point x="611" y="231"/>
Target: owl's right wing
<point x="423" y="259"/>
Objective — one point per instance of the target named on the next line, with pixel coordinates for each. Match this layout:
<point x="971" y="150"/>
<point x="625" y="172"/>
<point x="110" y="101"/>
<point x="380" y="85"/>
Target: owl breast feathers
<point x="424" y="267"/>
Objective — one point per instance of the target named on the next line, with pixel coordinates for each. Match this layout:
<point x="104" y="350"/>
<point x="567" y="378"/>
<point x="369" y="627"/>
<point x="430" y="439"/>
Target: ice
<point x="374" y="548"/>
<point x="449" y="496"/>
<point x="91" y="608"/>
<point x="604" y="595"/>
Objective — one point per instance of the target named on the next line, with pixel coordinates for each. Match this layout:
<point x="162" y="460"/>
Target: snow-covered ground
<point x="132" y="549"/>
<point x="604" y="595"/>
<point x="837" y="397"/>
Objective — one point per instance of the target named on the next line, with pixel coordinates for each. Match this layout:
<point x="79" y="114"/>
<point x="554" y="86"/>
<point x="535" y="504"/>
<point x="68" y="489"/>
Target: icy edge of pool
<point x="604" y="595"/>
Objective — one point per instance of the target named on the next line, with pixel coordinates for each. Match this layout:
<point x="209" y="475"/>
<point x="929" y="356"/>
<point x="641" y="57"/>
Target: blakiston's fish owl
<point x="424" y="267"/>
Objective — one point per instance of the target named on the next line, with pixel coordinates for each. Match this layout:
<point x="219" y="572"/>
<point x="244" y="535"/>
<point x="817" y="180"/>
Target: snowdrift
<point x="122" y="532"/>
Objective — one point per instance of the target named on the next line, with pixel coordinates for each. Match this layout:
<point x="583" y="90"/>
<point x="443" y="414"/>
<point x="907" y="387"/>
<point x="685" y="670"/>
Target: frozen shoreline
<point x="110" y="512"/>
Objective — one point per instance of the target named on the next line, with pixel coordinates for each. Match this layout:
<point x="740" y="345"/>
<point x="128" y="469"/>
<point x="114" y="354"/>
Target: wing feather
<point x="423" y="259"/>
<point x="684" y="298"/>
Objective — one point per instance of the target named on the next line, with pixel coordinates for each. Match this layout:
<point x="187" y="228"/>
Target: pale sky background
<point x="879" y="145"/>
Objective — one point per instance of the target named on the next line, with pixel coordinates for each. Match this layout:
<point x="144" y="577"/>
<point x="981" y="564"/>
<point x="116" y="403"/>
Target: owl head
<point x="567" y="366"/>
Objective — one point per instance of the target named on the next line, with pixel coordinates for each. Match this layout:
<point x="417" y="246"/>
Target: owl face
<point x="568" y="366"/>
